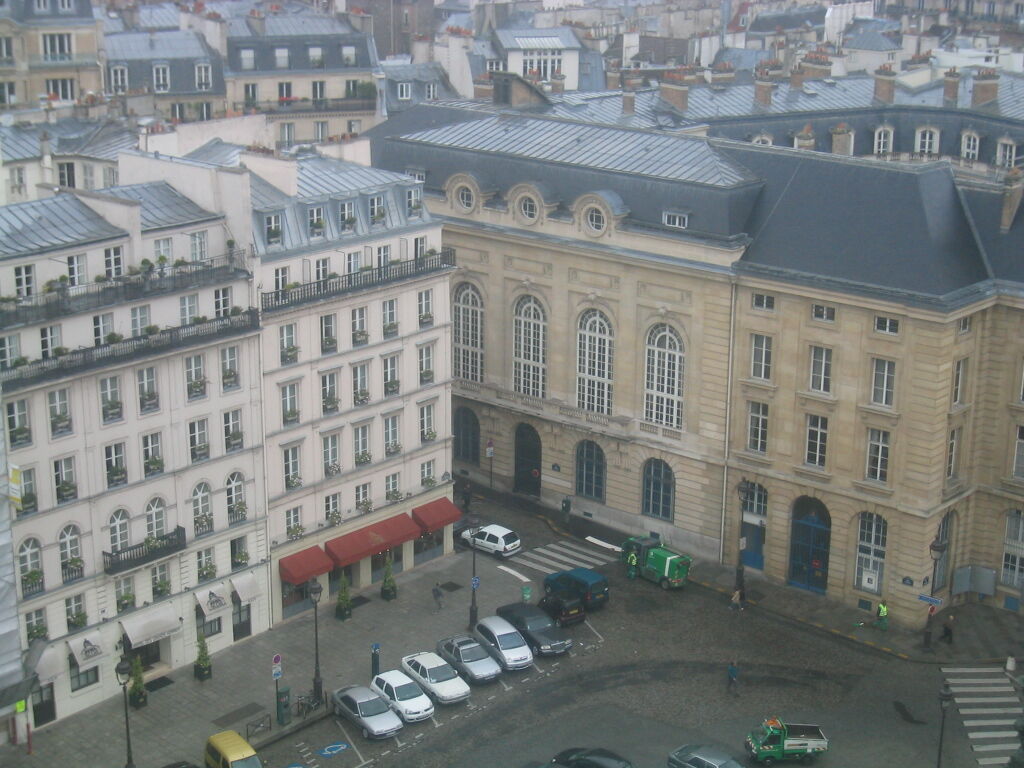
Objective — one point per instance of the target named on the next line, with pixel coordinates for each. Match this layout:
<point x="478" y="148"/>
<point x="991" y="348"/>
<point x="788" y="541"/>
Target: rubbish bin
<point x="284" y="706"/>
<point x="527" y="593"/>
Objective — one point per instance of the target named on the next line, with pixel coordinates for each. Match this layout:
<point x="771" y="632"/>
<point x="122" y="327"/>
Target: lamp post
<point x="945" y="697"/>
<point x="936" y="549"/>
<point x="123" y="670"/>
<point x="744" y="489"/>
<point x="472" y="600"/>
<point x="315" y="591"/>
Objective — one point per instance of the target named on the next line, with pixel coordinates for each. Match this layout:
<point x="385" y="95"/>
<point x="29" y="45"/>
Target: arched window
<point x="201" y="501"/>
<point x="969" y="145"/>
<point x="883" y="140"/>
<point x="871" y="552"/>
<point x="594" y="351"/>
<point x="69" y="544"/>
<point x="30" y="556"/>
<point x="590" y="470"/>
<point x="118" y="530"/>
<point x="663" y="396"/>
<point x="529" y="348"/>
<point x="943" y="536"/>
<point x="1013" y="548"/>
<point x="234" y="490"/>
<point x="156" y="518"/>
<point x="659" y="490"/>
<point x="1006" y="153"/>
<point x="468" y="333"/>
<point x="466" y="435"/>
<point x="927" y="141"/>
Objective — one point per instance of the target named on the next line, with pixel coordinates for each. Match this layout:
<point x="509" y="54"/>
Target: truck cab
<point x="656" y="563"/>
<point x="776" y="740"/>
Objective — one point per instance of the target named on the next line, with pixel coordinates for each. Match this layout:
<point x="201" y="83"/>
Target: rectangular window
<point x="888" y="325"/>
<point x="390" y="366"/>
<point x="188" y="308"/>
<point x="10" y="350"/>
<point x="81" y="678"/>
<point x="675" y="220"/>
<point x="376" y="207"/>
<point x="353" y="262"/>
<point x="425" y="305"/>
<point x="757" y="427"/>
<point x="320" y="130"/>
<point x="199" y="440"/>
<point x="198" y="245"/>
<point x="57" y="47"/>
<point x="392" y="483"/>
<point x="18" y="430"/>
<point x="329" y="392"/>
<point x="878" y="455"/>
<point x="427" y="470"/>
<point x="427" y="431"/>
<point x="404" y="91"/>
<point x="140" y="319"/>
<point x="360" y="384"/>
<point x="959" y="381"/>
<point x="964" y="325"/>
<point x="821" y="369"/>
<point x="229" y="367"/>
<point x="360" y="441"/>
<point x="322" y="268"/>
<point x="222" y="302"/>
<point x="74" y="607"/>
<point x="332" y="507"/>
<point x="823" y="312"/>
<point x="953" y="454"/>
<point x="60" y="412"/>
<point x="63" y="88"/>
<point x="318" y="90"/>
<point x="113" y="462"/>
<point x="425" y="360"/>
<point x="763" y="301"/>
<point x="289" y="404"/>
<point x="362" y="494"/>
<point x="761" y="356"/>
<point x="152" y="455"/>
<point x="102" y="326"/>
<point x="195" y="375"/>
<point x="110" y="397"/>
<point x="110" y="176"/>
<point x="348" y="55"/>
<point x="431" y="91"/>
<point x="204" y="77"/>
<point x="389" y="312"/>
<point x="330" y="454"/>
<point x="328" y="333"/>
<point x="250" y="92"/>
<point x="817" y="440"/>
<point x="25" y="280"/>
<point x="49" y="340"/>
<point x="1018" y="456"/>
<point x="272" y="229"/>
<point x="281" y="58"/>
<point x="232" y="430"/>
<point x="66" y="174"/>
<point x="290" y="465"/>
<point x="316" y="56"/>
<point x="247" y="58"/>
<point x="391" y="433"/>
<point x="161" y="78"/>
<point x="88" y="176"/>
<point x="76" y="269"/>
<point x="149" y="399"/>
<point x="293" y="518"/>
<point x="280" y="278"/>
<point x="160" y="580"/>
<point x="413" y="203"/>
<point x="347" y="216"/>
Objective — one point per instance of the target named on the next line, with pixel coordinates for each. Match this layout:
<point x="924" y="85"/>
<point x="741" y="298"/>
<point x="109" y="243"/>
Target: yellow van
<point x="228" y="749"/>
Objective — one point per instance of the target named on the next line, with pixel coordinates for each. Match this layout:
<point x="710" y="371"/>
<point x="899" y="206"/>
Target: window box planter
<point x="428" y="436"/>
<point x="296" y="531"/>
<point x="289" y="355"/>
<point x="426" y="319"/>
<point x="392" y="448"/>
<point x="378" y="217"/>
<point x="393" y="495"/>
<point x="60" y="425"/>
<point x="20" y="436"/>
<point x="330" y="470"/>
<point x="112" y="411"/>
<point x="149" y="330"/>
<point x="149" y="401"/>
<point x="125" y="602"/>
<point x="291" y="482"/>
<point x="390" y="330"/>
<point x="361" y="397"/>
<point x="161" y="588"/>
<point x="67" y="491"/>
<point x="38" y="632"/>
<point x="240" y="559"/>
<point x="273" y="235"/>
<point x="328" y="344"/>
<point x="32" y="581"/>
<point x="349" y="224"/>
<point x="330" y="404"/>
<point x="316" y="228"/>
<point x="365" y="506"/>
<point x="237" y="512"/>
<point x="113" y="338"/>
<point x="154" y="465"/>
<point x="196" y="388"/>
<point x="29" y="504"/>
<point x="206" y="572"/>
<point x="363" y="457"/>
<point x="200" y="452"/>
<point x="334" y="517"/>
<point x="229" y="378"/>
<point x="426" y="376"/>
<point x="234" y="441"/>
<point x="359" y="338"/>
<point x="116" y="476"/>
<point x="77" y="621"/>
<point x="290" y="417"/>
<point x="391" y="387"/>
<point x="428" y="482"/>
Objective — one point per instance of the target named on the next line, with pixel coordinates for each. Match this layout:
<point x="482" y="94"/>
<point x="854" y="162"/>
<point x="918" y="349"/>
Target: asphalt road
<point x="648" y="674"/>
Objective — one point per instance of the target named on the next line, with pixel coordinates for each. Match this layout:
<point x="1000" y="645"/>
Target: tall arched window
<point x="234" y="489"/>
<point x="594" y="358"/>
<point x="870" y="552"/>
<point x="466" y="435"/>
<point x="202" y="517"/>
<point x="1013" y="548"/>
<point x="69" y="544"/>
<point x="529" y="348"/>
<point x="883" y="140"/>
<point x="468" y="333"/>
<point x="30" y="556"/>
<point x="663" y="395"/>
<point x="658" y="490"/>
<point x="590" y="470"/>
<point x="118" y="530"/>
<point x="156" y="517"/>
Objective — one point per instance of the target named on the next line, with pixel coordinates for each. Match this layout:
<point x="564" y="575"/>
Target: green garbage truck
<point x="656" y="563"/>
<point x="776" y="740"/>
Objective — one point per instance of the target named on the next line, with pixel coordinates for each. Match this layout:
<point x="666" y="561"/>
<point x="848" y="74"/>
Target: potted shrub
<point x="365" y="506"/>
<point x="37" y="632"/>
<point x="292" y="482"/>
<point x="364" y="457"/>
<point x="360" y="337"/>
<point x="388" y="587"/>
<point x="334" y="517"/>
<point x="362" y="397"/>
<point x="203" y="667"/>
<point x="161" y="588"/>
<point x="28" y="503"/>
<point x="330" y="404"/>
<point x="179" y="263"/>
<point x="428" y="481"/>
<point x="113" y="338"/>
<point x="125" y="601"/>
<point x="149" y="330"/>
<point x="332" y="469"/>
<point x="240" y="559"/>
<point x="77" y="620"/>
<point x="295" y="531"/>
<point x="392" y="448"/>
<point x="154" y="465"/>
<point x="343" y="608"/>
<point x="393" y="495"/>
<point x="137" y="694"/>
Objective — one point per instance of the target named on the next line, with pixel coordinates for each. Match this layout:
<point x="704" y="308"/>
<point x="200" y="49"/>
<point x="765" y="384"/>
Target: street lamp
<point x="472" y="600"/>
<point x="945" y="697"/>
<point x="315" y="591"/>
<point x="936" y="549"/>
<point x="123" y="670"/>
<point x="745" y="489"/>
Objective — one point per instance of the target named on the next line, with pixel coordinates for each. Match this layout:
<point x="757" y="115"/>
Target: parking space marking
<point x="508" y="570"/>
<point x="434" y="721"/>
<point x="541" y="671"/>
<point x="587" y="622"/>
<point x="352" y="744"/>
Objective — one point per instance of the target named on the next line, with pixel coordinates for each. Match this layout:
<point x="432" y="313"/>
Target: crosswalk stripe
<point x="994" y="760"/>
<point x="981" y="689"/>
<point x="987" y="723"/>
<point x="978" y="680"/>
<point x="533" y="556"/>
<point x="528" y="564"/>
<point x="965" y="670"/>
<point x="991" y="710"/>
<point x="992" y="735"/>
<point x="511" y="572"/>
<point x="556" y="556"/>
<point x="577" y="557"/>
<point x="985" y="700"/>
<point x="603" y="557"/>
<point x="995" y="747"/>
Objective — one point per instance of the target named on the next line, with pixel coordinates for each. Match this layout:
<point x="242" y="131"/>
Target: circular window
<point x="465" y="197"/>
<point x="528" y="207"/>
<point x="595" y="219"/>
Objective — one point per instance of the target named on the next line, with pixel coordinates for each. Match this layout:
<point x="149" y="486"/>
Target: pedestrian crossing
<point x="989" y="705"/>
<point x="561" y="556"/>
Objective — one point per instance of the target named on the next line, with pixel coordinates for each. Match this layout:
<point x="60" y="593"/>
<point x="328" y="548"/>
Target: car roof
<point x="704" y="751"/>
<point x="496" y="624"/>
<point x="497" y="530"/>
<point x="521" y="609"/>
<point x="427" y="658"/>
<point x="358" y="692"/>
<point x="394" y="676"/>
<point x="461" y="640"/>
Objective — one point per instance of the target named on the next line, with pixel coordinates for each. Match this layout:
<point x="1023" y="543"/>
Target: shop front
<point x="433" y="520"/>
<point x="245" y="590"/>
<point x="147" y="634"/>
<point x="296" y="570"/>
<point x="364" y="552"/>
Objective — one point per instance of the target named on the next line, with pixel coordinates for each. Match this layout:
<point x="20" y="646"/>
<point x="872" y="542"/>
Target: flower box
<point x="390" y="330"/>
<point x="363" y="457"/>
<point x="149" y="401"/>
<point x="330" y="404"/>
<point x="428" y="435"/>
<point x="289" y="355"/>
<point x="392" y="448"/>
<point x="112" y="410"/>
<point x="360" y="337"/>
<point x="196" y="388"/>
<point x="290" y="417"/>
<point x="200" y="451"/>
<point x="291" y="482"/>
<point x="426" y="319"/>
<point x="361" y="397"/>
<point x="295" y="531"/>
<point x="332" y="469"/>
<point x="391" y="387"/>
<point x="154" y="465"/>
<point x="328" y="344"/>
<point x="426" y="376"/>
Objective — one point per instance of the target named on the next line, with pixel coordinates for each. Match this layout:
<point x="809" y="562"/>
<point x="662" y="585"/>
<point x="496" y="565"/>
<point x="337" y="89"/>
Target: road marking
<point x="544" y="570"/>
<point x="434" y="721"/>
<point x="983" y="680"/>
<point x="993" y="760"/>
<point x="992" y="711"/>
<point x="398" y="741"/>
<point x="540" y="558"/>
<point x="995" y="747"/>
<point x="508" y="570"/>
<point x="503" y="685"/>
<point x="574" y="555"/>
<point x="351" y="743"/>
<point x="587" y="622"/>
<point x="968" y="670"/>
<point x="986" y="700"/>
<point x="539" y="670"/>
<point x="558" y="557"/>
<point x="981" y="688"/>
<point x="586" y="551"/>
<point x="988" y="723"/>
<point x="992" y="735"/>
<point x="605" y="544"/>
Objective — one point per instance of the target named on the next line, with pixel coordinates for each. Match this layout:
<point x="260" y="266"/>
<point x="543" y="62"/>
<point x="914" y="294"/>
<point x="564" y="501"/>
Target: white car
<point x="436" y="676"/>
<point x="495" y="539"/>
<point x="403" y="695"/>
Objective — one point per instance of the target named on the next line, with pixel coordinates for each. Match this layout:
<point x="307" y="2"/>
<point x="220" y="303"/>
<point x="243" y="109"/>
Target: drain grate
<point x="359" y="600"/>
<point x="158" y="683"/>
<point x="450" y="586"/>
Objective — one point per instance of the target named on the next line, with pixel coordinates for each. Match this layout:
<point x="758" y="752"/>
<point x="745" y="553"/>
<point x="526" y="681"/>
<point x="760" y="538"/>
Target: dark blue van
<point x="589" y="586"/>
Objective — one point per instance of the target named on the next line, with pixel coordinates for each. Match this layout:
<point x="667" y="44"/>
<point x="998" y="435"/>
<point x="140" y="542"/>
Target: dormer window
<point x="763" y="139"/>
<point x="161" y="78"/>
<point x="316" y="57"/>
<point x="348" y="55"/>
<point x="431" y="91"/>
<point x="272" y="228"/>
<point x="675" y="220"/>
<point x="413" y="204"/>
<point x="315" y="219"/>
<point x="247" y="58"/>
<point x="465" y="197"/>
<point x="204" y="78"/>
<point x="404" y="91"/>
<point x="66" y="6"/>
<point x="595" y="219"/>
<point x="281" y="58"/>
<point x="347" y="216"/>
<point x="1006" y="153"/>
<point x="377" y="208"/>
<point x="119" y="79"/>
<point x="763" y="301"/>
<point x="42" y="6"/>
<point x="927" y="141"/>
<point x="883" y="140"/>
<point x="969" y="146"/>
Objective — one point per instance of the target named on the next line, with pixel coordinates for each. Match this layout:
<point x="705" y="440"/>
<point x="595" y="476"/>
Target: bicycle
<point x="306" y="704"/>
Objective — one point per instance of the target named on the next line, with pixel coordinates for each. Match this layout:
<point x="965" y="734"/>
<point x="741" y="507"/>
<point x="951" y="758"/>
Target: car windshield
<point x="510" y="640"/>
<point x="252" y="761"/>
<point x="440" y="673"/>
<point x="510" y="538"/>
<point x="372" y="707"/>
<point x="537" y="623"/>
<point x="473" y="653"/>
<point x="407" y="691"/>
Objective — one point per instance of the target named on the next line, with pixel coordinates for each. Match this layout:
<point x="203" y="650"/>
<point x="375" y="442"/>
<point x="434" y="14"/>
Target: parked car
<point x="700" y="756"/>
<point x="589" y="586"/>
<point x="368" y="710"/>
<point x="436" y="676"/>
<point x="403" y="695"/>
<point x="465" y="522"/>
<point x="503" y="642"/>
<point x="543" y="637"/>
<point x="469" y="658"/>
<point x="577" y="757"/>
<point x="563" y="608"/>
<point x="495" y="539"/>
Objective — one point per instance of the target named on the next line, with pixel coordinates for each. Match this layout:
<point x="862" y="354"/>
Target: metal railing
<point x="296" y="105"/>
<point x="356" y="281"/>
<point x="120" y="352"/>
<point x="146" y="552"/>
<point x="62" y="59"/>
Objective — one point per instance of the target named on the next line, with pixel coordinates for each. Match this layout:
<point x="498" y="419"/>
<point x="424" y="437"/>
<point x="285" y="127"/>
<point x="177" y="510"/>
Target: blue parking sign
<point x="332" y="749"/>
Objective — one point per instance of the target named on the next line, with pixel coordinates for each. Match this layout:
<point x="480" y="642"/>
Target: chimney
<point x="817" y="66"/>
<point x="612" y="79"/>
<point x="951" y="87"/>
<point x="986" y="87"/>
<point x="558" y="83"/>
<point x="674" y="90"/>
<point x="842" y="140"/>
<point x="763" y="87"/>
<point x="1013" y="189"/>
<point x="628" y="103"/>
<point x="885" y="84"/>
<point x="805" y="139"/>
<point x="796" y="77"/>
<point x="130" y="16"/>
<point x="44" y="147"/>
<point x="483" y="88"/>
<point x="257" y="23"/>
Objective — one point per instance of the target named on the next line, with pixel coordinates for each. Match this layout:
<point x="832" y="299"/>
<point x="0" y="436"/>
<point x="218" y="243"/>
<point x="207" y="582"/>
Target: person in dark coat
<point x="947" y="628"/>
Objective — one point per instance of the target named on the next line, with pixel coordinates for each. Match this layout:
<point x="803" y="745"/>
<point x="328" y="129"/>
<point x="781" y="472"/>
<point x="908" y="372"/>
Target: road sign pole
<point x="472" y="601"/>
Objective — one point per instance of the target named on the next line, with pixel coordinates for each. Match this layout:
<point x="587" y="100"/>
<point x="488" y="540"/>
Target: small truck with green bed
<point x="776" y="740"/>
<point x="657" y="563"/>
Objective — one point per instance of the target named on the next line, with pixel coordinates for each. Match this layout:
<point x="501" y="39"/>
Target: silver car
<point x="503" y="642"/>
<point x="366" y="709"/>
<point x="469" y="658"/>
<point x="700" y="756"/>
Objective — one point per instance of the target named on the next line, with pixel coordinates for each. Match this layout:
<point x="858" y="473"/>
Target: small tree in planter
<point x="138" y="696"/>
<point x="388" y="587"/>
<point x="343" y="608"/>
<point x="203" y="667"/>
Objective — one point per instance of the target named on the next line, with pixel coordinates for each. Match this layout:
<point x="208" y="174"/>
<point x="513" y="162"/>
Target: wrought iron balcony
<point x="118" y="353"/>
<point x="153" y="548"/>
<point x="159" y="280"/>
<point x="357" y="281"/>
<point x="293" y="104"/>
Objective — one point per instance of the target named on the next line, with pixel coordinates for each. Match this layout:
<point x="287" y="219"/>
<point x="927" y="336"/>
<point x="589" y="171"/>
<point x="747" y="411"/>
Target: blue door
<point x="809" y="545"/>
<point x="753" y="553"/>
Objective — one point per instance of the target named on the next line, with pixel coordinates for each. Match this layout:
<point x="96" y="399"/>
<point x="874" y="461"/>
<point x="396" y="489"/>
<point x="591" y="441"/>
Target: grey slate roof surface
<point x="55" y="222"/>
<point x="791" y="18"/>
<point x="217" y="152"/>
<point x="530" y="38"/>
<point x="741" y="58"/>
<point x="1003" y="251"/>
<point x="158" y="16"/>
<point x="112" y="24"/>
<point x="26" y="13"/>
<point x="162" y="205"/>
<point x="103" y="142"/>
<point x="179" y="50"/>
<point x="870" y="40"/>
<point x="69" y="136"/>
<point x="176" y="44"/>
<point x="418" y="76"/>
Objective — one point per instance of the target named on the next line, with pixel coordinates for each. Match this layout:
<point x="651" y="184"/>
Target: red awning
<point x="372" y="540"/>
<point x="436" y="515"/>
<point x="304" y="565"/>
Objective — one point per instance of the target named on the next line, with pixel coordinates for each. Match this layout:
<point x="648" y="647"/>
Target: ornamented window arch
<point x="969" y="143"/>
<point x="156" y="517"/>
<point x="594" y="362"/>
<point x="69" y="544"/>
<point x="234" y="489"/>
<point x="883" y="140"/>
<point x="529" y="347"/>
<point x="658" y="490"/>
<point x="926" y="141"/>
<point x="201" y="501"/>
<point x="118" y="530"/>
<point x="468" y="332"/>
<point x="663" y="379"/>
<point x="871" y="552"/>
<point x="30" y="556"/>
<point x="590" y="470"/>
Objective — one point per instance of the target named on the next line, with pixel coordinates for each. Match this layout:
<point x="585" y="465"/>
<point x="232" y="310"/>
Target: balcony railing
<point x="72" y="573"/>
<point x="61" y="59"/>
<point x="74" y="363"/>
<point x="296" y="105"/>
<point x="80" y="298"/>
<point x="357" y="281"/>
<point x="146" y="552"/>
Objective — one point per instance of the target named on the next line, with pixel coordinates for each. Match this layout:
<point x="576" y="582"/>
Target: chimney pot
<point x="628" y="103"/>
<point x="986" y="87"/>
<point x="797" y="77"/>
<point x="885" y="84"/>
<point x="675" y="92"/>
<point x="951" y="86"/>
<point x="763" y="88"/>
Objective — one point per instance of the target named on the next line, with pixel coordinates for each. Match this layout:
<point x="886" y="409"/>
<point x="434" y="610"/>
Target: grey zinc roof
<point x="870" y="40"/>
<point x="71" y="136"/>
<point x="103" y="142"/>
<point x="551" y="38"/>
<point x="55" y="222"/>
<point x="112" y="23"/>
<point x="322" y="176"/>
<point x="217" y="152"/>
<point x="643" y="153"/>
<point x="170" y="44"/>
<point x="158" y="16"/>
<point x="791" y="18"/>
<point x="162" y="205"/>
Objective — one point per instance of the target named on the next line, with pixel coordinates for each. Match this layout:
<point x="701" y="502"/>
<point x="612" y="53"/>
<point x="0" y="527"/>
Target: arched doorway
<point x="810" y="538"/>
<point x="528" y="460"/>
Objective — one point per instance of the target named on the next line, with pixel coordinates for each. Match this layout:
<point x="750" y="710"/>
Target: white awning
<point x="212" y="598"/>
<point x="152" y="624"/>
<point x="86" y="648"/>
<point x="245" y="587"/>
<point x="50" y="664"/>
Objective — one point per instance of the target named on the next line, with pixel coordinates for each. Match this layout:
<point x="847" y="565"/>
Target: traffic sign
<point x="930" y="600"/>
<point x="275" y="672"/>
<point x="277" y="659"/>
<point x="476" y="582"/>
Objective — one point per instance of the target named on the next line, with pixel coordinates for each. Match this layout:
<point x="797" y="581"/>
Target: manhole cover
<point x="450" y="586"/>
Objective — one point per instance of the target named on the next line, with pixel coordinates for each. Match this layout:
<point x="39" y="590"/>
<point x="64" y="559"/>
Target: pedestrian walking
<point x="947" y="629"/>
<point x="467" y="496"/>
<point x="438" y="597"/>
<point x="631" y="565"/>
<point x="736" y="603"/>
<point x="732" y="684"/>
<point x="882" y="616"/>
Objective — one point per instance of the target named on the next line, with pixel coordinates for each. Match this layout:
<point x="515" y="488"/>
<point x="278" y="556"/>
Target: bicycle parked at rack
<point x="306" y="704"/>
